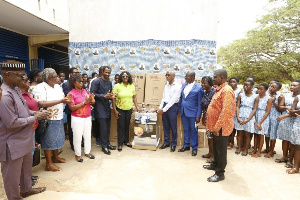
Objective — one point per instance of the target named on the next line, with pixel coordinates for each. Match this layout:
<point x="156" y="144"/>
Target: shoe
<point x="183" y="149"/>
<point x="164" y="146"/>
<point x="90" y="156"/>
<point x="119" y="148"/>
<point x="216" y="178"/>
<point x="173" y="148"/>
<point x="111" y="147"/>
<point x="209" y="167"/>
<point x="34" y="182"/>
<point x="78" y="159"/>
<point x="34" y="177"/>
<point x="128" y="145"/>
<point x="32" y="192"/>
<point x="106" y="151"/>
<point x="194" y="152"/>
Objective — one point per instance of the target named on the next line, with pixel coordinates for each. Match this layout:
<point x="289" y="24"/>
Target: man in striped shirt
<point x="220" y="115"/>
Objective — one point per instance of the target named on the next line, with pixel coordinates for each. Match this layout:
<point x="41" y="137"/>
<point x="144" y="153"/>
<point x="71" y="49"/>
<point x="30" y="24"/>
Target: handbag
<point x="36" y="156"/>
<point x="43" y="124"/>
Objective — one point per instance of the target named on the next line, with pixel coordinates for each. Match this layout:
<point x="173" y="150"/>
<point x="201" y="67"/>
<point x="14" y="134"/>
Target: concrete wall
<point x="53" y="11"/>
<point x="99" y="20"/>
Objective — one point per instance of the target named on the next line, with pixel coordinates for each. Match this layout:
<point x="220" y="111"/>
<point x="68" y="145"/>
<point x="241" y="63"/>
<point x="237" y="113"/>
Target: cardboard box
<point x="203" y="143"/>
<point x="139" y="83"/>
<point x="155" y="84"/>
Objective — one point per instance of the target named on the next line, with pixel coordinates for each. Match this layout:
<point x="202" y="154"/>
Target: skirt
<point x="285" y="129"/>
<point x="54" y="136"/>
<point x="249" y="127"/>
<point x="295" y="136"/>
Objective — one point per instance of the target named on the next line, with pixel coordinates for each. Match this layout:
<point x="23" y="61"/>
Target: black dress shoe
<point x="128" y="145"/>
<point x="106" y="151"/>
<point x="173" y="148"/>
<point x="183" y="149"/>
<point x="164" y="146"/>
<point x="216" y="178"/>
<point x="111" y="147"/>
<point x="209" y="167"/>
<point x="194" y="152"/>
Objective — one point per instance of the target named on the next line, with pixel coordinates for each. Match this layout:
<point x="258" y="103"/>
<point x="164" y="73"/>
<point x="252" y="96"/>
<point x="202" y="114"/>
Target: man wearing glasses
<point x="16" y="134"/>
<point x="168" y="109"/>
<point x="66" y="90"/>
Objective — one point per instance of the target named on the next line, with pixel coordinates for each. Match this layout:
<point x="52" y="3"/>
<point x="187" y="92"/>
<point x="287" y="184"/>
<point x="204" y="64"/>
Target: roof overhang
<point x="20" y="21"/>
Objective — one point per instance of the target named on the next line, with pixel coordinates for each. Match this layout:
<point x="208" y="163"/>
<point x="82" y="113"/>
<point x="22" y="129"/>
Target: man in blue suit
<point x="190" y="110"/>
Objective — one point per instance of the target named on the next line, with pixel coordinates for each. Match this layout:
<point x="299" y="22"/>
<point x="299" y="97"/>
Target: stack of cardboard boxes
<point x="149" y="91"/>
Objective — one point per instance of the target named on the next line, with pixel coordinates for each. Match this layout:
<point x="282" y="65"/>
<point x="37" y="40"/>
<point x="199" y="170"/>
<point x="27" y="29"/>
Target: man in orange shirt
<point x="220" y="115"/>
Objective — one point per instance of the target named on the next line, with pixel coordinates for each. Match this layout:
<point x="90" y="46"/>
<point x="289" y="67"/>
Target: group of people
<point x="35" y="108"/>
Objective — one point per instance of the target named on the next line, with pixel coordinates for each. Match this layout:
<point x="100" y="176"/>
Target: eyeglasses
<point x="19" y="75"/>
<point x="76" y="72"/>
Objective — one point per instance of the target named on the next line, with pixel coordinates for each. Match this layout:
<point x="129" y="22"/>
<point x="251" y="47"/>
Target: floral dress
<point x="246" y="107"/>
<point x="295" y="137"/>
<point x="261" y="110"/>
<point x="285" y="126"/>
<point x="274" y="114"/>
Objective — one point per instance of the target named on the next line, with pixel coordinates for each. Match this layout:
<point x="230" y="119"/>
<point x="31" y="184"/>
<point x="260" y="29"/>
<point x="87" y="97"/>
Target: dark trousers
<point x="123" y="126"/>
<point x="17" y="173"/>
<point x="190" y="131"/>
<point x="70" y="132"/>
<point x="104" y="131"/>
<point x="220" y="153"/>
<point x="170" y="123"/>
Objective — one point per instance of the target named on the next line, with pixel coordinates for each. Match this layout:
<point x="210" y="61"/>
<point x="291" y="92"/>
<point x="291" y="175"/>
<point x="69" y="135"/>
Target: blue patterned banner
<point x="146" y="56"/>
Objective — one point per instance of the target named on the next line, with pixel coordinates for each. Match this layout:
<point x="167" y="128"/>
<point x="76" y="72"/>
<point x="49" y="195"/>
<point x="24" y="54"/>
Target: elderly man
<point x="168" y="109"/>
<point x="16" y="134"/>
<point x="220" y="115"/>
<point x="190" y="110"/>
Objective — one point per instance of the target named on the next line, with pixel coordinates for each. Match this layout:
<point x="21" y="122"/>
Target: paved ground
<point x="142" y="174"/>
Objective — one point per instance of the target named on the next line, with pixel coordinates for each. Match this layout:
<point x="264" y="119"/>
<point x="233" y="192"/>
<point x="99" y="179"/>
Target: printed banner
<point x="147" y="56"/>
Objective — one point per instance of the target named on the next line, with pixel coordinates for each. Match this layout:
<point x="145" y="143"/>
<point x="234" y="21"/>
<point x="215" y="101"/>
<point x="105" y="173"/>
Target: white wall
<point x="44" y="10"/>
<point x="122" y="20"/>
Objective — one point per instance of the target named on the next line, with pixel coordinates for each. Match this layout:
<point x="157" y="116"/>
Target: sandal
<point x="119" y="148"/>
<point x="206" y="156"/>
<point x="289" y="165"/>
<point x="237" y="152"/>
<point x="52" y="169"/>
<point x="90" y="156"/>
<point x="244" y="154"/>
<point x="128" y="145"/>
<point x="79" y="159"/>
<point x="281" y="160"/>
<point x="292" y="171"/>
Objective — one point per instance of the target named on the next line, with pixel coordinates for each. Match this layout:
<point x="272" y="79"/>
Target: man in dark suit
<point x="102" y="89"/>
<point x="16" y="134"/>
<point x="66" y="90"/>
<point x="190" y="110"/>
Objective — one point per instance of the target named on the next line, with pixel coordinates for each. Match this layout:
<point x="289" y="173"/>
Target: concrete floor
<point x="143" y="174"/>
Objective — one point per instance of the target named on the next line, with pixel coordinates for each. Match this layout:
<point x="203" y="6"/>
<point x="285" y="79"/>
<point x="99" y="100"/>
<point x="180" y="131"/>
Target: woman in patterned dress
<point x="274" y="114"/>
<point x="295" y="138"/>
<point x="285" y="125"/>
<point x="245" y="110"/>
<point x="209" y="91"/>
<point x="233" y="82"/>
<point x="262" y="120"/>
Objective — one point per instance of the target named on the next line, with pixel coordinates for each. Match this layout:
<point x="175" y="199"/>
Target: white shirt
<point x="91" y="83"/>
<point x="188" y="88"/>
<point x="171" y="95"/>
<point x="43" y="92"/>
